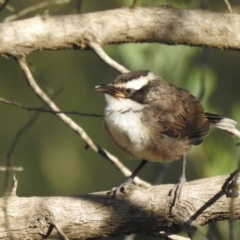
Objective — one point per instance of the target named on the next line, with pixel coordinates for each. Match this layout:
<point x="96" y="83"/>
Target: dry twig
<point x="99" y="51"/>
<point x="68" y="121"/>
<point x="14" y="186"/>
<point x="33" y="8"/>
<point x="171" y="236"/>
<point x="8" y="7"/>
<point x="135" y="2"/>
<point x="60" y="231"/>
<point x="8" y="168"/>
<point x="5" y="3"/>
<point x="228" y="6"/>
<point x="13" y="146"/>
<point x="18" y="169"/>
<point x="203" y="69"/>
<point x="47" y="110"/>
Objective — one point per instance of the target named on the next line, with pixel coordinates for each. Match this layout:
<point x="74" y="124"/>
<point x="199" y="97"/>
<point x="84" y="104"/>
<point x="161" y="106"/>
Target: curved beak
<point x="109" y="89"/>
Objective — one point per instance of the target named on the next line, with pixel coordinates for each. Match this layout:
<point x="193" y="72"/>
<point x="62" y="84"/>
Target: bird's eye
<point x="129" y="90"/>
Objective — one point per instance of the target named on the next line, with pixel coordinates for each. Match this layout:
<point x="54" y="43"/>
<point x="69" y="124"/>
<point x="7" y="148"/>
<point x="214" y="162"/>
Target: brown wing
<point x="184" y="117"/>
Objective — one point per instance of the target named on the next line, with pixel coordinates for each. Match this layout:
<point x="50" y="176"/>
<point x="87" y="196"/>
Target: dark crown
<point x="125" y="77"/>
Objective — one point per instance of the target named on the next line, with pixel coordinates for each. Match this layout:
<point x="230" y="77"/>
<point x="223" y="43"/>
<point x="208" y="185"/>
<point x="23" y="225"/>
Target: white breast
<point x="123" y="120"/>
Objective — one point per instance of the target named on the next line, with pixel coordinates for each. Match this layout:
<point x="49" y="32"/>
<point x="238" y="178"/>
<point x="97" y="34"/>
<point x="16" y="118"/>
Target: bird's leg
<point x="138" y="169"/>
<point x="129" y="179"/>
<point x="178" y="187"/>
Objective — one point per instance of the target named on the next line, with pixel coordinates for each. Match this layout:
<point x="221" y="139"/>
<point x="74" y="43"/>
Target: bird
<point x="154" y="121"/>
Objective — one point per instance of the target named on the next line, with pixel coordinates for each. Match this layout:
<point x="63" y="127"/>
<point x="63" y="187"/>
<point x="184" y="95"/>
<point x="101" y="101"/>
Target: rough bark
<point x="137" y="210"/>
<point x="163" y="25"/>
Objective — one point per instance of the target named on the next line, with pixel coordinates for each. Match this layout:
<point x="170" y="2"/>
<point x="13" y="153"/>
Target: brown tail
<point x="223" y="123"/>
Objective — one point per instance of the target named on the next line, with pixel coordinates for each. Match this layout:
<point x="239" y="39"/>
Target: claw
<point x="122" y="188"/>
<point x="128" y="182"/>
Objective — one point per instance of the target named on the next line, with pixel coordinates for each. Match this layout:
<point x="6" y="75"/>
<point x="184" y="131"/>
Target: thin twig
<point x="60" y="231"/>
<point x="8" y="7"/>
<point x="5" y="3"/>
<point x="15" y="141"/>
<point x="13" y="146"/>
<point x="8" y="167"/>
<point x="231" y="186"/>
<point x="135" y="2"/>
<point x="69" y="122"/>
<point x="228" y="6"/>
<point x="205" y="5"/>
<point x="100" y="52"/>
<point x="169" y="236"/>
<point x="79" y="6"/>
<point x="213" y="232"/>
<point x="203" y="70"/>
<point x="203" y="60"/>
<point x="33" y="8"/>
<point x="2" y="100"/>
<point x="16" y="169"/>
<point x="14" y="187"/>
<point x="162" y="170"/>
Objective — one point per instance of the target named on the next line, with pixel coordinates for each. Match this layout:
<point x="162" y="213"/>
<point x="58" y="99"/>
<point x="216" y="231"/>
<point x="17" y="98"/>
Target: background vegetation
<point x="54" y="158"/>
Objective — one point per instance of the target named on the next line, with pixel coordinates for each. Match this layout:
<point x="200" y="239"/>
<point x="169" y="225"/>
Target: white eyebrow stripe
<point x="137" y="83"/>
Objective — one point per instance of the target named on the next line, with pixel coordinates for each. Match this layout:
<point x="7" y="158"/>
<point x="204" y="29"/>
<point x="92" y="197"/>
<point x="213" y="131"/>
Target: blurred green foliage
<point x="54" y="158"/>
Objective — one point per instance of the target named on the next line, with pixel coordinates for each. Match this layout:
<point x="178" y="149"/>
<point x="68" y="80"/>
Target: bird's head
<point x="140" y="86"/>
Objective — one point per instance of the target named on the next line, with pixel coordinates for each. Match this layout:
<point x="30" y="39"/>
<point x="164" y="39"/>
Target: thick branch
<point x="163" y="25"/>
<point x="137" y="210"/>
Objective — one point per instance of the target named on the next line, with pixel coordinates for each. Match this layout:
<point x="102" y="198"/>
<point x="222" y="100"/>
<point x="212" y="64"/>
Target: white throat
<point x="123" y="119"/>
<point x="121" y="104"/>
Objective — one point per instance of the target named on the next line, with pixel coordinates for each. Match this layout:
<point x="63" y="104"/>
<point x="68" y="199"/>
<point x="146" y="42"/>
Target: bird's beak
<point x="105" y="88"/>
<point x="109" y="89"/>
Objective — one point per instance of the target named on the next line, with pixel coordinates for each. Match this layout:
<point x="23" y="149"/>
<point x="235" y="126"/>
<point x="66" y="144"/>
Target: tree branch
<point x="137" y="210"/>
<point x="163" y="25"/>
<point x="99" y="51"/>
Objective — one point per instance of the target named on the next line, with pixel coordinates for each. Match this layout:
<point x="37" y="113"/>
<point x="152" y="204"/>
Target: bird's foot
<point x="123" y="188"/>
<point x="177" y="190"/>
<point x="128" y="185"/>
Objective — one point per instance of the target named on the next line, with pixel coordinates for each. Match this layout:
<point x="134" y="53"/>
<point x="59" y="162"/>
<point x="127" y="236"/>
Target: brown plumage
<point x="168" y="119"/>
<point x="149" y="119"/>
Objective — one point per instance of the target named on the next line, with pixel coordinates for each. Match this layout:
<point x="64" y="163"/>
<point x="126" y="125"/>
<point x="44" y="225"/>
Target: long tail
<point x="226" y="124"/>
